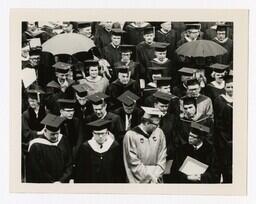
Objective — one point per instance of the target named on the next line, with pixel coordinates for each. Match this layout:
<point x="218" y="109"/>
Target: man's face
<point x="62" y="77"/>
<point x="151" y="126"/>
<point x="162" y="107"/>
<point x="67" y="113"/>
<point x="87" y="31"/>
<point x="124" y="78"/>
<point x="100" y="135"/>
<point x="129" y="109"/>
<point x="165" y="89"/>
<point x="116" y="40"/>
<point x="33" y="103"/>
<point x="100" y="110"/>
<point x="161" y="55"/>
<point x="93" y="72"/>
<point x="229" y="88"/>
<point x="126" y="56"/>
<point x="81" y="100"/>
<point x="34" y="60"/>
<point x="193" y="34"/>
<point x="53" y="136"/>
<point x="221" y="35"/>
<point x="193" y="139"/>
<point x="67" y="28"/>
<point x="31" y="26"/>
<point x="149" y="38"/>
<point x="193" y="90"/>
<point x="108" y="25"/>
<point x="189" y="110"/>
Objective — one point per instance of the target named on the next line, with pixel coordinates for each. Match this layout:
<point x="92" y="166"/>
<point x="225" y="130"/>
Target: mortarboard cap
<point x="81" y="89"/>
<point x="192" y="25"/>
<point x="199" y="129"/>
<point x="189" y="100"/>
<point x="228" y="79"/>
<point x="118" y="32"/>
<point x="83" y="24"/>
<point x="126" y="48"/>
<point x="62" y="67"/>
<point x="161" y="97"/>
<point x="187" y="71"/>
<point x="219" y="67"/>
<point x="150" y="112"/>
<point x="123" y="69"/>
<point x="148" y="30"/>
<point x="191" y="82"/>
<point x="52" y="122"/>
<point x="163" y="81"/>
<point x="128" y="98"/>
<point x="35" y="94"/>
<point x="160" y="46"/>
<point x="35" y="52"/>
<point x="166" y="24"/>
<point x="91" y="63"/>
<point x="221" y="27"/>
<point x="66" y="103"/>
<point x="98" y="98"/>
<point x="100" y="124"/>
<point x="157" y="70"/>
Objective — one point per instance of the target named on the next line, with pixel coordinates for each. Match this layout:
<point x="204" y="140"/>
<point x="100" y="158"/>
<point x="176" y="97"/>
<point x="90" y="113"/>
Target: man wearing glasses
<point x="145" y="149"/>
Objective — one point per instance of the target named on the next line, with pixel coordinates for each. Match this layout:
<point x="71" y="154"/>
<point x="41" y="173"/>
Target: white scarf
<point x="105" y="146"/>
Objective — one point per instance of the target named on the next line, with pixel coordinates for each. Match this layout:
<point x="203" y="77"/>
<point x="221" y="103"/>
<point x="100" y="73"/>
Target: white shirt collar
<point x="197" y="147"/>
<point x="219" y="86"/>
<point x="105" y="146"/>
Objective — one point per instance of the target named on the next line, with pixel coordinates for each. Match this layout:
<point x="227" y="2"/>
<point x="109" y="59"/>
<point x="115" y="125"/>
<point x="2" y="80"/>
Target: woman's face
<point x="93" y="72"/>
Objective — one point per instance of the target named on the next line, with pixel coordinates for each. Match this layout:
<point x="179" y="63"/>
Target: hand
<point x="154" y="179"/>
<point x="195" y="177"/>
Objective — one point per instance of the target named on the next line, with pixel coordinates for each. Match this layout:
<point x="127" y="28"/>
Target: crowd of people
<point x="129" y="109"/>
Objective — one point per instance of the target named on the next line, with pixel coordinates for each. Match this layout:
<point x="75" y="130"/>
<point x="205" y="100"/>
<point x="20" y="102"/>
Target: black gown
<point x="49" y="163"/>
<point x="205" y="154"/>
<point x="94" y="167"/>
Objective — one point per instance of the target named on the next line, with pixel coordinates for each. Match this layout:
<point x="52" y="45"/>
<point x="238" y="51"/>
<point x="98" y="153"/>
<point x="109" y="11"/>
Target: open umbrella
<point x="200" y="48"/>
<point x="68" y="43"/>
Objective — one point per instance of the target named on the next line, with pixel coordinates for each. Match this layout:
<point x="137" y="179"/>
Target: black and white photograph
<point x="124" y="101"/>
<point x="127" y="102"/>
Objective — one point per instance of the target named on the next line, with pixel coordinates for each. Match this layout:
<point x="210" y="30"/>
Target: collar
<point x="227" y="98"/>
<point x="105" y="146"/>
<point x="152" y="84"/>
<point x="197" y="147"/>
<point x="189" y="40"/>
<point x="139" y="130"/>
<point x="218" y="86"/>
<point x="42" y="140"/>
<point x="222" y="41"/>
<point x="103" y="115"/>
<point x="161" y="62"/>
<point x="114" y="46"/>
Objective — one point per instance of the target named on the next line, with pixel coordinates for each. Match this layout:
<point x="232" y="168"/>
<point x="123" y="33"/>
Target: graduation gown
<point x="205" y="154"/>
<point x="116" y="88"/>
<point x="96" y="166"/>
<point x="228" y="57"/>
<point x="135" y="117"/>
<point x="167" y="63"/>
<point x="111" y="54"/>
<point x="133" y="66"/>
<point x="169" y="37"/>
<point x="116" y="126"/>
<point x="144" y="155"/>
<point x="145" y="53"/>
<point x="31" y="124"/>
<point x="49" y="162"/>
<point x="212" y="91"/>
<point x="54" y="93"/>
<point x="102" y="38"/>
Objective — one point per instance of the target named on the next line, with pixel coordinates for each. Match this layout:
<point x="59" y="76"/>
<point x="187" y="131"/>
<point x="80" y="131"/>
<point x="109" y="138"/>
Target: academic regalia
<point x="49" y="162"/>
<point x="31" y="124"/>
<point x="228" y="45"/>
<point x="99" y="165"/>
<point x="223" y="112"/>
<point x="180" y="90"/>
<point x="82" y="112"/>
<point x="132" y="66"/>
<point x="134" y="120"/>
<point x="145" y="53"/>
<point x="169" y="37"/>
<point x="117" y="88"/>
<point x="144" y="155"/>
<point x="102" y="38"/>
<point x="185" y="40"/>
<point x="134" y="34"/>
<point x="166" y="63"/>
<point x="54" y="93"/>
<point x="116" y="126"/>
<point x="212" y="91"/>
<point x="111" y="54"/>
<point x="205" y="154"/>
